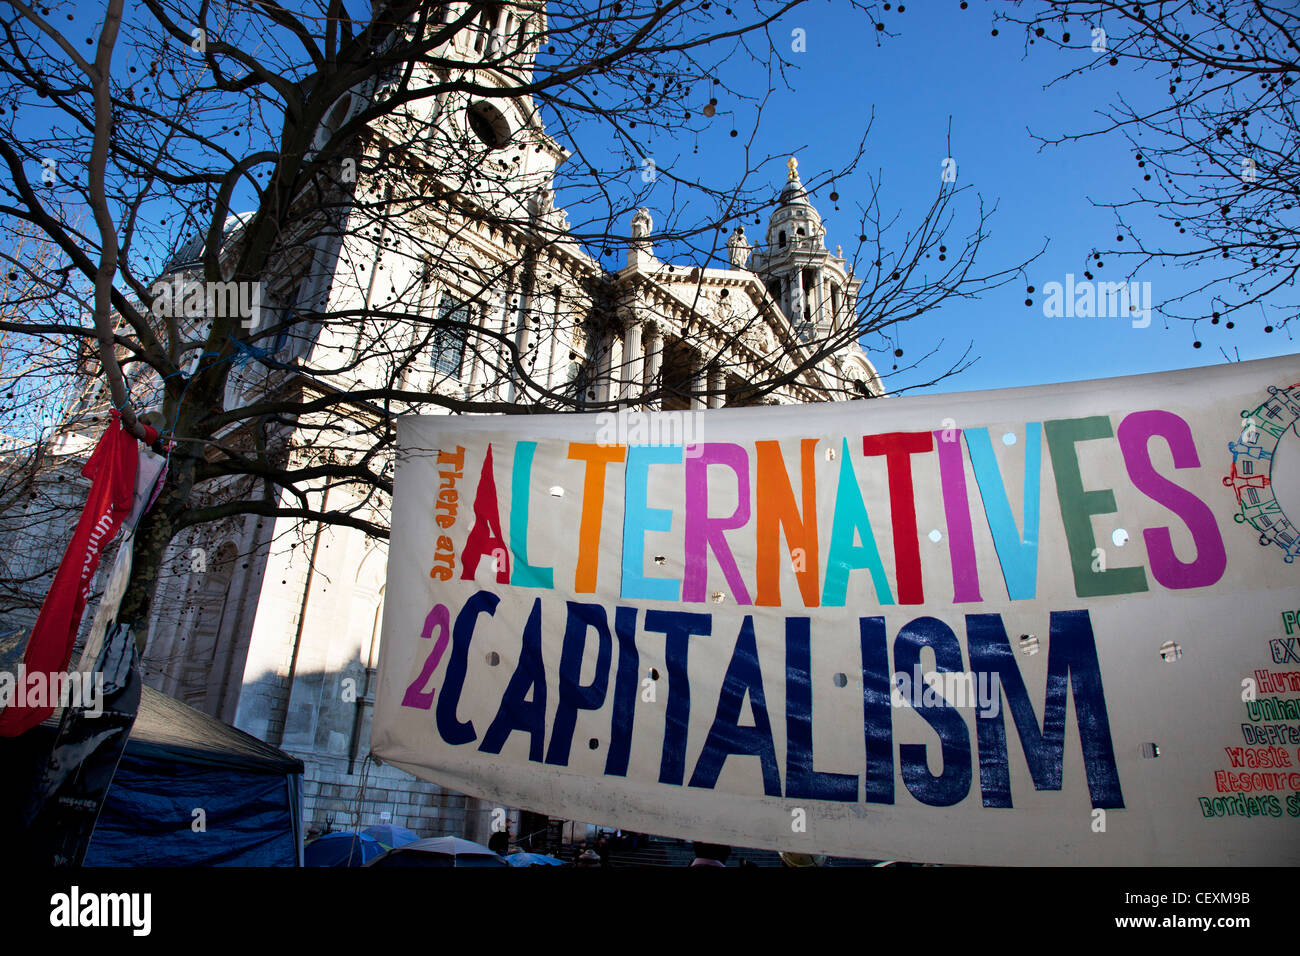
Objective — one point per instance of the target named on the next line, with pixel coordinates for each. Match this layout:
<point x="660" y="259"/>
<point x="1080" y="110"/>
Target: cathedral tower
<point x="812" y="286"/>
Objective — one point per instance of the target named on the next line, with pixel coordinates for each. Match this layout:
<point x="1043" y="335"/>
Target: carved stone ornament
<point x="738" y="249"/>
<point x="642" y="224"/>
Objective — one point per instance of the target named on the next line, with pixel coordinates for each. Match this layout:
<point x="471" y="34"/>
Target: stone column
<point x="557" y="352"/>
<point x="475" y="345"/>
<point x="822" y="318"/>
<point x="654" y="357"/>
<point x="496" y="42"/>
<point x="523" y="333"/>
<point x="615" y="372"/>
<point x="499" y="367"/>
<point x="598" y="380"/>
<point x="699" y="382"/>
<point x="633" y="355"/>
<point x="717" y="382"/>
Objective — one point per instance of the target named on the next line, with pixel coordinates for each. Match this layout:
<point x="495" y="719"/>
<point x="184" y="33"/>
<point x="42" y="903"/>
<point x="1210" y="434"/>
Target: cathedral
<point x="273" y="624"/>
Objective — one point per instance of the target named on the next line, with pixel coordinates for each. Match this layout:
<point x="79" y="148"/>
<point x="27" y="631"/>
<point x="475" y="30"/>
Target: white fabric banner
<point x="1028" y="626"/>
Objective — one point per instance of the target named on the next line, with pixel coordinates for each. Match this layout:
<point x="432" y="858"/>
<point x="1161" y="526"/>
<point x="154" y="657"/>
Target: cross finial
<point x="793" y="166"/>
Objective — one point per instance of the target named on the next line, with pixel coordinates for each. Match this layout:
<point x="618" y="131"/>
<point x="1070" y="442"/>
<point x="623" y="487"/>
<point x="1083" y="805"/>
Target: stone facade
<point x="273" y="624"/>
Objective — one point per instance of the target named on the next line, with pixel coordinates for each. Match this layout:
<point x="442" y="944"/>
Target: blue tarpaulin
<point x="150" y="818"/>
<point x="342" y="848"/>
<point x="179" y="761"/>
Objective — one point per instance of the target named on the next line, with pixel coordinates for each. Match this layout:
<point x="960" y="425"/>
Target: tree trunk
<point x="155" y="531"/>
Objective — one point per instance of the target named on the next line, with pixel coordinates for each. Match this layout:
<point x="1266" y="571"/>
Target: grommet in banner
<point x="1150" y="751"/>
<point x="839" y="680"/>
<point x="660" y="560"/>
<point x="1171" y="651"/>
<point x="593" y="744"/>
<point x="718" y="597"/>
<point x="557" y="491"/>
<point x="1029" y="644"/>
<point x="493" y="659"/>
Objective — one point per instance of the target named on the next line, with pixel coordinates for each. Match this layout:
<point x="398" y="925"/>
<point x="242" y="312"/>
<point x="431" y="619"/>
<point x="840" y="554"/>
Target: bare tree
<point x="47" y="402"/>
<point x="1214" y="141"/>
<point x="383" y="187"/>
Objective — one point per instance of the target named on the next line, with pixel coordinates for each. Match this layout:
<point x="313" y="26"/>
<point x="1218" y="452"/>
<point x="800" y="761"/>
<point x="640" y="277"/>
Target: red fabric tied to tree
<point x="112" y="471"/>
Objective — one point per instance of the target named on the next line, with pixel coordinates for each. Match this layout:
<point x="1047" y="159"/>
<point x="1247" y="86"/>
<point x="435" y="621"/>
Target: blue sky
<point x="937" y="61"/>
<point x="942" y="61"/>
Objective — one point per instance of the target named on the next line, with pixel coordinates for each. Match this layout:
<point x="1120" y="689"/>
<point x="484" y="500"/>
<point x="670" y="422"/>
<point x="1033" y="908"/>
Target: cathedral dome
<point x="190" y="254"/>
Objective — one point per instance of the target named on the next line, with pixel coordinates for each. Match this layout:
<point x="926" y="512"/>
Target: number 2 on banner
<point x="439" y="618"/>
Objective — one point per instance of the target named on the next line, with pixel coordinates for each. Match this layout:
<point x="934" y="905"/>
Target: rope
<point x="361" y="791"/>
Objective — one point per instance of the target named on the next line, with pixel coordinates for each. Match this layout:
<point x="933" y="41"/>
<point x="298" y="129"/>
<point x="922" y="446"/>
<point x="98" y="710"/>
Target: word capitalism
<point x="767" y="506"/>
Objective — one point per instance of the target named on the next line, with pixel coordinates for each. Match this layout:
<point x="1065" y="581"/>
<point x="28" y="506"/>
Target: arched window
<point x="448" y="346"/>
<point x="780" y="238"/>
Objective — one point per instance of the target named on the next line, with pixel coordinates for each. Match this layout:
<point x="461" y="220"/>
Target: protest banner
<point x="1027" y="626"/>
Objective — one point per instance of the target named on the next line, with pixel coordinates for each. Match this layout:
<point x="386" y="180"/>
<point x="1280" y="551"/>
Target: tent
<point x="193" y="791"/>
<point x="342" y="848"/>
<point x="440" y="851"/>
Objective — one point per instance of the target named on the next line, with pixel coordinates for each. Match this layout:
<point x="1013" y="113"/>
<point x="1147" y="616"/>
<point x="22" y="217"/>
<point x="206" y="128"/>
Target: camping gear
<point x="391" y="836"/>
<point x="190" y="790"/>
<point x="179" y="761"/>
<point x="441" y="851"/>
<point x="342" y="848"/>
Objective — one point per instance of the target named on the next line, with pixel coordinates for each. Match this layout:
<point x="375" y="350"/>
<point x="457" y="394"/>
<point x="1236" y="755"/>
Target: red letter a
<point x="485" y="537"/>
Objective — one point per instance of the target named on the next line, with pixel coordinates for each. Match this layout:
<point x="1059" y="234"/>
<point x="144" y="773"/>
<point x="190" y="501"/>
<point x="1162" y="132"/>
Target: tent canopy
<point x="166" y="729"/>
<point x="177" y="761"/>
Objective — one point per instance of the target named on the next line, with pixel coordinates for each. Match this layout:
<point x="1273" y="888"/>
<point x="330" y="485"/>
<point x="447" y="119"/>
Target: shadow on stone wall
<point x="326" y="723"/>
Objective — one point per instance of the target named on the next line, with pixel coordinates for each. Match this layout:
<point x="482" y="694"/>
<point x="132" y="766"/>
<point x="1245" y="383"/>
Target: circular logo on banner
<point x="1265" y="472"/>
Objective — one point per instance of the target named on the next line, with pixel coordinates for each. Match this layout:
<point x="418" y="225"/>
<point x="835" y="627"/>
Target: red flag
<point x="111" y="469"/>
